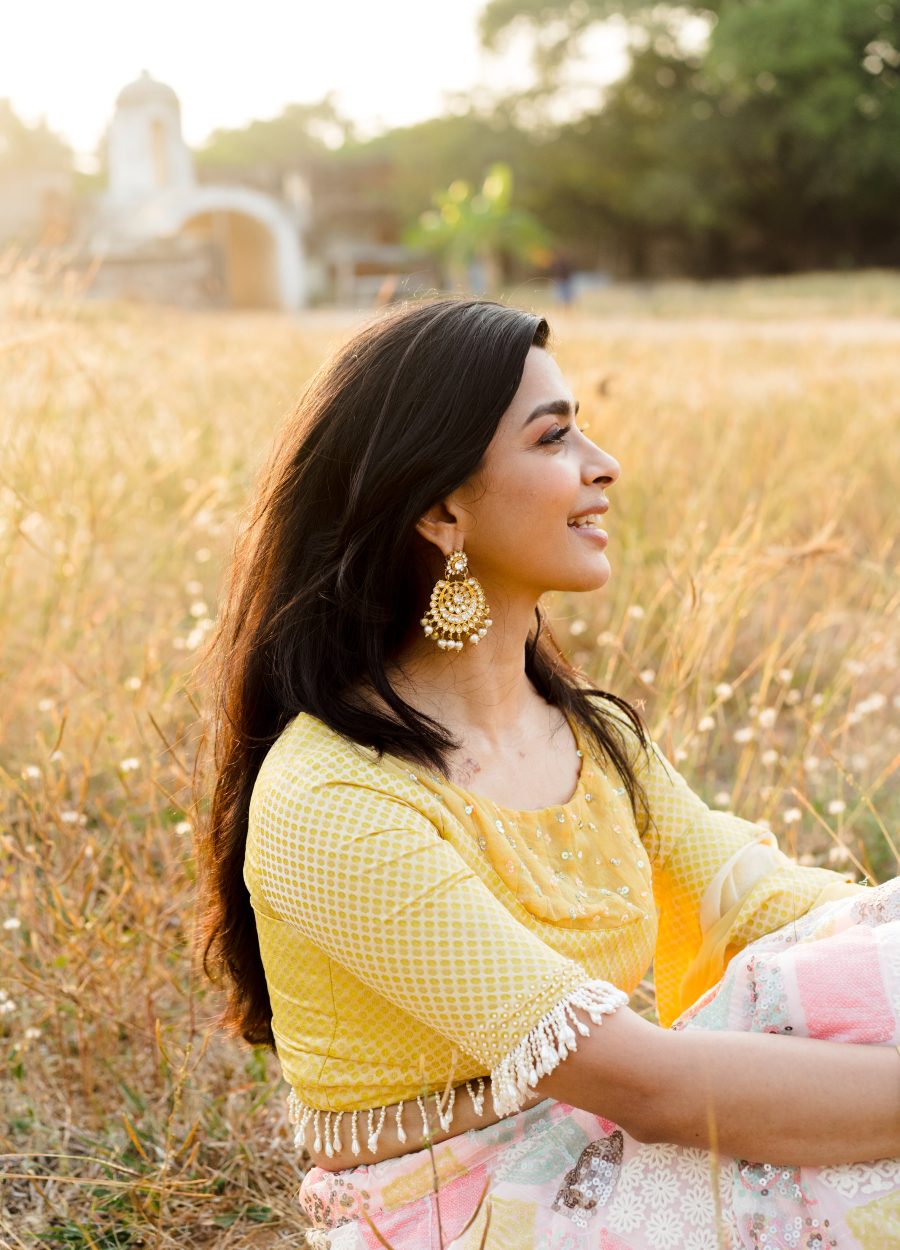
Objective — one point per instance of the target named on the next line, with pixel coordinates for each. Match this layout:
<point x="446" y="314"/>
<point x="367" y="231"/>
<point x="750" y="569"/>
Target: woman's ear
<point x="440" y="527"/>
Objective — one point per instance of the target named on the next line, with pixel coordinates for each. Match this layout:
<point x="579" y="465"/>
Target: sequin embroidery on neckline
<point x="520" y="813"/>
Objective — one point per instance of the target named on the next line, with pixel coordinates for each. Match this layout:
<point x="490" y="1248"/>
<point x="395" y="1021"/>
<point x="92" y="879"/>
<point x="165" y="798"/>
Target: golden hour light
<point x="448" y="547"/>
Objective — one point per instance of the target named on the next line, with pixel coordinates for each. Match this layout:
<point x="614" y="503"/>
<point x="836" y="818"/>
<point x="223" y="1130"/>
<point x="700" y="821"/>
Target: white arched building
<point x="152" y="195"/>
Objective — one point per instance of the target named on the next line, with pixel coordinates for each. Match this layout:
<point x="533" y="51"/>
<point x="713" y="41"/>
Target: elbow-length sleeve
<point x="719" y="882"/>
<point x="368" y="878"/>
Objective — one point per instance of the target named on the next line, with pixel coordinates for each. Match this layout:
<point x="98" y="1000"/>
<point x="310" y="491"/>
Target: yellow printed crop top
<point x="411" y="931"/>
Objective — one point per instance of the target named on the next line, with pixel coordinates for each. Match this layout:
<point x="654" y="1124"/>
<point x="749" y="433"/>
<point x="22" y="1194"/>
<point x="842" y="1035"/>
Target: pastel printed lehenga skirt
<point x="560" y="1178"/>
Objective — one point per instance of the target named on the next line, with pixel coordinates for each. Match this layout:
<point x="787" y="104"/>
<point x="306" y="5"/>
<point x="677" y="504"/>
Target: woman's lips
<point x="591" y="531"/>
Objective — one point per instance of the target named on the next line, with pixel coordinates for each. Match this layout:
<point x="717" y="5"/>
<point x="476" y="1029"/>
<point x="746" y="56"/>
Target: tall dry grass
<point x="752" y="612"/>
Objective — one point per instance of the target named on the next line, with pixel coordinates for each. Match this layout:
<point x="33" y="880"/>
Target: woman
<point x="437" y="858"/>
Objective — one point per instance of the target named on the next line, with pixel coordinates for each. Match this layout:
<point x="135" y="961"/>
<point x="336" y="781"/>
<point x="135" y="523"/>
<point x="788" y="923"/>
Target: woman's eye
<point x="557" y="436"/>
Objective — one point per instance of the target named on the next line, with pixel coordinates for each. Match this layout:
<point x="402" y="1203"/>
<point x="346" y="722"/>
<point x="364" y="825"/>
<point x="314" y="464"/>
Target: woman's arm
<point x="792" y="1101"/>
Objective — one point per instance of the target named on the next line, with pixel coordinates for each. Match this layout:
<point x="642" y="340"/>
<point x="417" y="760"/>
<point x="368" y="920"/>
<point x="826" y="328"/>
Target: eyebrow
<point x="558" y="407"/>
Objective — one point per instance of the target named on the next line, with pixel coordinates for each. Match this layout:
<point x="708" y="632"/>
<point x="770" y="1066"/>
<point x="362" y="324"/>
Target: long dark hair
<point x="328" y="573"/>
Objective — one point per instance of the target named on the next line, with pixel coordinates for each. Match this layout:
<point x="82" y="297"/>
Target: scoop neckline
<point x="482" y="799"/>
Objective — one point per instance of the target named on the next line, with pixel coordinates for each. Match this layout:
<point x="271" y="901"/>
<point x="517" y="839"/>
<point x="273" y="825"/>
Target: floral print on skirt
<point x="560" y="1178"/>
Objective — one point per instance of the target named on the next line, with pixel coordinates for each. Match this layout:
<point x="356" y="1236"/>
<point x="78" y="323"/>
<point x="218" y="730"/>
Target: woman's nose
<point x="603" y="468"/>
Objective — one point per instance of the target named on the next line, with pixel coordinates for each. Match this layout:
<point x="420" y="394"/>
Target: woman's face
<point x="540" y="470"/>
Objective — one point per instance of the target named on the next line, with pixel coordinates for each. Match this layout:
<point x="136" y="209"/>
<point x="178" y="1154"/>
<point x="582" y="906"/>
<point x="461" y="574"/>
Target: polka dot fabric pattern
<point x="411" y="931"/>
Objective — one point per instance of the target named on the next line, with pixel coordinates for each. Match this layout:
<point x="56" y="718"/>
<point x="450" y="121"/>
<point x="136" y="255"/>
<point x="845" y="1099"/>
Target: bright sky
<point x="388" y="63"/>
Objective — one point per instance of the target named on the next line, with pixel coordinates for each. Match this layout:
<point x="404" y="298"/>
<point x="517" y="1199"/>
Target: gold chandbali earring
<point x="458" y="607"/>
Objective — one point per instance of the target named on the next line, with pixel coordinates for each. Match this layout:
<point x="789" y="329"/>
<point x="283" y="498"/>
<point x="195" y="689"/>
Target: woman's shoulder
<point x="310" y="760"/>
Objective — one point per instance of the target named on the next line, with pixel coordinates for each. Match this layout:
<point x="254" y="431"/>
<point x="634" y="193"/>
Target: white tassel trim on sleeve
<point x="548" y="1042"/>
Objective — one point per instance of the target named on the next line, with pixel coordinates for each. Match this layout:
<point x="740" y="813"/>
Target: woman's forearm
<point x="767" y="1097"/>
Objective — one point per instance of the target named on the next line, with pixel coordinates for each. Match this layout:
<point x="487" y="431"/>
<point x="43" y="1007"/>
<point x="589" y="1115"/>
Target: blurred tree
<point x="27" y="148"/>
<point x="459" y="145"/>
<point x="773" y="148"/>
<point x="298" y="132"/>
<point x="806" y="97"/>
<point x="557" y="25"/>
<point x="482" y="226"/>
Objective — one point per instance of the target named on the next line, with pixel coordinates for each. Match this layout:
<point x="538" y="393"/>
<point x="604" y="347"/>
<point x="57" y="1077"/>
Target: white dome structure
<point x="153" y="194"/>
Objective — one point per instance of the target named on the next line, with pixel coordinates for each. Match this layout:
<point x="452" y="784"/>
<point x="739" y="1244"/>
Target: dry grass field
<point x="752" y="614"/>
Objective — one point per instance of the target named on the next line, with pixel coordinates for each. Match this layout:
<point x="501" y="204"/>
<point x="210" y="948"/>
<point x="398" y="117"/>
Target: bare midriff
<point x="389" y="1145"/>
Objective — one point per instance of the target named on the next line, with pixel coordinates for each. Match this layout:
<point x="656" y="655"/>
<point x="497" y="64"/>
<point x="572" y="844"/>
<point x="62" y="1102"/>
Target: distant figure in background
<point x="561" y="269"/>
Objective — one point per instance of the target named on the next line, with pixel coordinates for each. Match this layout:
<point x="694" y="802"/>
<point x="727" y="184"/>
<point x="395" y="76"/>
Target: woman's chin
<point x="585" y="578"/>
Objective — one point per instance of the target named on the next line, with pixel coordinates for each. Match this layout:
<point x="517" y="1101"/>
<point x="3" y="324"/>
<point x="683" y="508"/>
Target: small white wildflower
<point x="769" y="758"/>
<point x="193" y="587"/>
<point x="635" y="611"/>
<point x="793" y="696"/>
<point x="648" y="675"/>
<point x="202" y="554"/>
<point x="744" y="735"/>
<point x="132" y="683"/>
<point x="183" y="827"/>
<point x="812" y="763"/>
<point x="577" y="627"/>
<point x="7" y="1006"/>
<point x="791" y="815"/>
<point x="767" y="717"/>
<point x="836" y="806"/>
<point x="606" y="639"/>
<point x="130" y="764"/>
<point x="764" y="824"/>
<point x="197" y="634"/>
<point x="722" y="799"/>
<point x="807" y="859"/>
<point x="68" y="816"/>
<point x="818" y="699"/>
<point x="706" y="723"/>
<point x="724" y="690"/>
<point x="859" y="760"/>
<point x="838" y="855"/>
<point x="680" y="754"/>
<point x="784" y="675"/>
<point x="56" y="757"/>
<point x="32" y="1034"/>
<point x="46" y="705"/>
<point x="855" y="668"/>
<point x="31" y="772"/>
<point x="12" y="922"/>
<point x="198" y="608"/>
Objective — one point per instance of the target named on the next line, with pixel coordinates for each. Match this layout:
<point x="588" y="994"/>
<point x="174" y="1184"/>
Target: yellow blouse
<point x="412" y="932"/>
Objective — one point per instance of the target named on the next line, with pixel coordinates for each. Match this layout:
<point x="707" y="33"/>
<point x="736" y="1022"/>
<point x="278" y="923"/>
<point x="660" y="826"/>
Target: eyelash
<point x="559" y="434"/>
